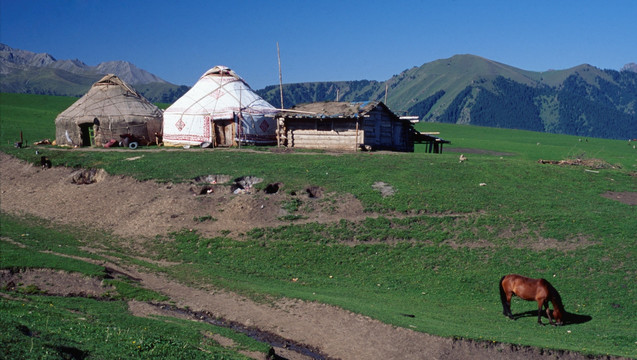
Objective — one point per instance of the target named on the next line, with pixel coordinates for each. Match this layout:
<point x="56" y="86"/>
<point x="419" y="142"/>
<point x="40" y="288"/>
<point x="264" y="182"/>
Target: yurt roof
<point x="221" y="93"/>
<point x="222" y="71"/>
<point x="111" y="97"/>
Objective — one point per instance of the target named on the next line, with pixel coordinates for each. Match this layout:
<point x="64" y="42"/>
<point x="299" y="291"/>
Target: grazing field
<point x="426" y="256"/>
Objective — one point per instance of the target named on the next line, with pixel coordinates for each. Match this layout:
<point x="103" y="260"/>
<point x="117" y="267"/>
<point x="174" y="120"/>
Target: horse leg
<point x="505" y="298"/>
<point x="539" y="313"/>
<point x="507" y="306"/>
<point x="548" y="313"/>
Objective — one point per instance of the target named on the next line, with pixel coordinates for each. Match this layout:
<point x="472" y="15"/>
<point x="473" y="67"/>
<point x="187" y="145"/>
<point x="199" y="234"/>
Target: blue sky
<point x="322" y="40"/>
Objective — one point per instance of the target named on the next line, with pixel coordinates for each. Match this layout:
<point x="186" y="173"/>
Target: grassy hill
<point x="435" y="252"/>
<point x="468" y="89"/>
<point x="47" y="81"/>
<point x="451" y="75"/>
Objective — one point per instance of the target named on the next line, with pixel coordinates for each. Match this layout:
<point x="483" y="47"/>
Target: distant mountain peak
<point x="16" y="57"/>
<point x="12" y="60"/>
<point x="128" y="72"/>
<point x="629" y="67"/>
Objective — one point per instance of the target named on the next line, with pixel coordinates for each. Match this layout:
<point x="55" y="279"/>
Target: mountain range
<point x="464" y="89"/>
<point x="468" y="89"/>
<point x="24" y="71"/>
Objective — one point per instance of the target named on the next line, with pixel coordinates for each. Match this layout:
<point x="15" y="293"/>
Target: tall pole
<point x="239" y="118"/>
<point x="278" y="54"/>
<point x="386" y="93"/>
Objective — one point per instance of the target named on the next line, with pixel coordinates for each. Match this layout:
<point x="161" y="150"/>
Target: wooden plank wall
<point x="377" y="130"/>
<point x="383" y="133"/>
<point x="337" y="135"/>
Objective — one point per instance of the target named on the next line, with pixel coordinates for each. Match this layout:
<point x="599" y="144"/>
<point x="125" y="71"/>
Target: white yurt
<point x="221" y="110"/>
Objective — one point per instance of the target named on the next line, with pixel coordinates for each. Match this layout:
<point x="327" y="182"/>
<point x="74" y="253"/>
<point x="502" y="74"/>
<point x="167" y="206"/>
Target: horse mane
<point x="555" y="296"/>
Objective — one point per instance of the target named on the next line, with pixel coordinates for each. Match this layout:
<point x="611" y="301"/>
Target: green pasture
<point x="33" y="115"/>
<point x="427" y="258"/>
<point x="34" y="326"/>
<point x="46" y="327"/>
<point x="533" y="146"/>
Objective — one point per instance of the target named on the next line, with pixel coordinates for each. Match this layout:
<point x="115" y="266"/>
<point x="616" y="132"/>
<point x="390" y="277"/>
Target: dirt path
<point x="129" y="208"/>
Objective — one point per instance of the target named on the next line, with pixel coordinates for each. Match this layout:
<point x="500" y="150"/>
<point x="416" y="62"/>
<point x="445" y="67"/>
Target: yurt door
<point x="223" y="132"/>
<point x="88" y="134"/>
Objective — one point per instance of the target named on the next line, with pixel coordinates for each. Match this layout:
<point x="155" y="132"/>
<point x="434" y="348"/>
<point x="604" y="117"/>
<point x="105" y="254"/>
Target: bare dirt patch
<point x="129" y="208"/>
<point x="589" y="163"/>
<point x="626" y="197"/>
<point x="53" y="282"/>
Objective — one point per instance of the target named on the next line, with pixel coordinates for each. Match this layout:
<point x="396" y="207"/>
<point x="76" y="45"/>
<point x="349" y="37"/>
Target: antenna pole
<point x="385" y="93"/>
<point x="278" y="54"/>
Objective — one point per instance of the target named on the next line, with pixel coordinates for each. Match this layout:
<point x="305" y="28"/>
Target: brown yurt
<point x="110" y="110"/>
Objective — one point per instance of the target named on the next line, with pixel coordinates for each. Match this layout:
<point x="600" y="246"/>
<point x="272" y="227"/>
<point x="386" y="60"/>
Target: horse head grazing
<point x="557" y="315"/>
<point x="558" y="307"/>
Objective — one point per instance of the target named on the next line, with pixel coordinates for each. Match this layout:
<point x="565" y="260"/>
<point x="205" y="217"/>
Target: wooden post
<point x="236" y="124"/>
<point x="356" y="140"/>
<point x="278" y="132"/>
<point x="239" y="120"/>
<point x="278" y="53"/>
<point x="214" y="134"/>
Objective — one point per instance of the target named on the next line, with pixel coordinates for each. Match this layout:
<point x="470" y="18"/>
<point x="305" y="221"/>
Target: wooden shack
<point x="344" y="126"/>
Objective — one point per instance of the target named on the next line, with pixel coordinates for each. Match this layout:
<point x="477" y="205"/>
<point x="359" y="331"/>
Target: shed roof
<point x="334" y="109"/>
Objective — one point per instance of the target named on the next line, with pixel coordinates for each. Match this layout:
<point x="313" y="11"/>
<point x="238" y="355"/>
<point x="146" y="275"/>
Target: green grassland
<point x="34" y="326"/>
<point x="37" y="327"/>
<point x="436" y="252"/>
<point x="34" y="115"/>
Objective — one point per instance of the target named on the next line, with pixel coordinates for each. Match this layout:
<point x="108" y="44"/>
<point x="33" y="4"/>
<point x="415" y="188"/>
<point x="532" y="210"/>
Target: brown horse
<point x="538" y="290"/>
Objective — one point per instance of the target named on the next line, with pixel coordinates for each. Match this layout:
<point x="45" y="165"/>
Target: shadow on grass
<point x="568" y="318"/>
<point x="68" y="352"/>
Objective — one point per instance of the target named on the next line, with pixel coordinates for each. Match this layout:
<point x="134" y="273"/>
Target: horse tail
<point x="503" y="295"/>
